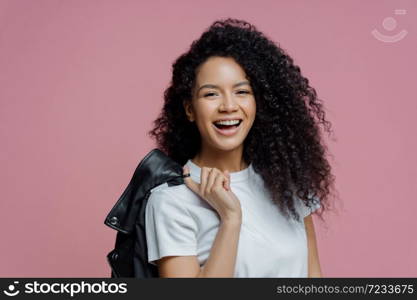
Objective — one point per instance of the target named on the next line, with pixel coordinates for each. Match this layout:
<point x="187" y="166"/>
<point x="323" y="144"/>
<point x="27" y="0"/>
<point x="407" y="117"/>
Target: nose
<point x="228" y="104"/>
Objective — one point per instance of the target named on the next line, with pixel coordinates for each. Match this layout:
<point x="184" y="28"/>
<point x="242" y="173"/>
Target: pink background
<point x="82" y="81"/>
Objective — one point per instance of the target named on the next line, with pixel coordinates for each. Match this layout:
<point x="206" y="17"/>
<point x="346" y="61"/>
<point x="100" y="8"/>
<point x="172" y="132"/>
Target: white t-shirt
<point x="180" y="223"/>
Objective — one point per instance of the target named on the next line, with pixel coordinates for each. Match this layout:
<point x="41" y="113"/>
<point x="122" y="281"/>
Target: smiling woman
<point x="244" y="123"/>
<point x="223" y="108"/>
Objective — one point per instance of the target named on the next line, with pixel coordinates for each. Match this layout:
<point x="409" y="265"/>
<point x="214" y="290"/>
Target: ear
<point x="188" y="110"/>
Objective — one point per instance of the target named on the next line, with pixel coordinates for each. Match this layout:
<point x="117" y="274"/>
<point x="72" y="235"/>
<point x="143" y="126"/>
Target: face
<point x="223" y="105"/>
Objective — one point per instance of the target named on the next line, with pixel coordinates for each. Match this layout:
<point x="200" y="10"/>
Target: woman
<point x="243" y="121"/>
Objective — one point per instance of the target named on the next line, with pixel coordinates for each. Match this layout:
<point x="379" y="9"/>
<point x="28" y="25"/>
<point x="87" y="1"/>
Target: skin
<point x="222" y="91"/>
<point x="223" y="101"/>
<point x="314" y="269"/>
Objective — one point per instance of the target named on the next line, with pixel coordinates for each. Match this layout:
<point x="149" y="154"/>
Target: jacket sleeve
<point x="170" y="229"/>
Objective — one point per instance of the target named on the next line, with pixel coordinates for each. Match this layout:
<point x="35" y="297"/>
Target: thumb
<point x="194" y="186"/>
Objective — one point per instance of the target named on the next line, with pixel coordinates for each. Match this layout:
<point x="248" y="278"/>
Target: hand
<point x="215" y="189"/>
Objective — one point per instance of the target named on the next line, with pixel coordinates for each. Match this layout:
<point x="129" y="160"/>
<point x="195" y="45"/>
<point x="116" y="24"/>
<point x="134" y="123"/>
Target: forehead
<point x="219" y="71"/>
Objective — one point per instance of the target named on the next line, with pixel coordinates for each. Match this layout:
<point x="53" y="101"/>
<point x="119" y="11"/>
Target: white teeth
<point x="228" y="122"/>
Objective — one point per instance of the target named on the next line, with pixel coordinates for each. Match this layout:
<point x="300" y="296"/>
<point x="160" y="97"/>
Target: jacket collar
<point x="155" y="168"/>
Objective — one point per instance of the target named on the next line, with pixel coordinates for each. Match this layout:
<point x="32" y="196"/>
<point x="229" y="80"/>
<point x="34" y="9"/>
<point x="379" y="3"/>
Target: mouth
<point x="228" y="128"/>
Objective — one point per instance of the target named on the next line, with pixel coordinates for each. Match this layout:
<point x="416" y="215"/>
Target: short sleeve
<point x="305" y="210"/>
<point x="170" y="229"/>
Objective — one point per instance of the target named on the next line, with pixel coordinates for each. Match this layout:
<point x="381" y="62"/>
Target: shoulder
<point x="177" y="195"/>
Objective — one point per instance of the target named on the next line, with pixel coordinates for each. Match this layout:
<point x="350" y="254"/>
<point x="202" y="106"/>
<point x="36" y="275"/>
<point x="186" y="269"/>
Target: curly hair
<point x="290" y="155"/>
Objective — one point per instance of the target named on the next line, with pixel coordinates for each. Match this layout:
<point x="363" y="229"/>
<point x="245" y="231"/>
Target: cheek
<point x="205" y="111"/>
<point x="202" y="114"/>
<point x="250" y="108"/>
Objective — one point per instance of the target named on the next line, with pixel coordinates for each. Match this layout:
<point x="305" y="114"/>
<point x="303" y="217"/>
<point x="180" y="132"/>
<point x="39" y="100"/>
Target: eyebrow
<point x="213" y="86"/>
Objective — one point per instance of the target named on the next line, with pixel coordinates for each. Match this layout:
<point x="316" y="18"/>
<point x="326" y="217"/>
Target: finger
<point x="227" y="175"/>
<point x="210" y="180"/>
<point x="194" y="186"/>
<point x="203" y="179"/>
<point x="220" y="181"/>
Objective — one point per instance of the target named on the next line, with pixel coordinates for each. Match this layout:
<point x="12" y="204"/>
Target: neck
<point x="231" y="160"/>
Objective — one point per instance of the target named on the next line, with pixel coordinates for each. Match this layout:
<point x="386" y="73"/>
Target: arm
<point x="314" y="269"/>
<point x="222" y="258"/>
<point x="215" y="189"/>
<point x="220" y="263"/>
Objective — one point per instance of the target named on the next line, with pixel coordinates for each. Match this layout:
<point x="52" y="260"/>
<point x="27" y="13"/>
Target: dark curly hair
<point x="284" y="144"/>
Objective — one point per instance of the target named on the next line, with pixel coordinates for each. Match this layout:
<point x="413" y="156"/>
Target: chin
<point x="227" y="145"/>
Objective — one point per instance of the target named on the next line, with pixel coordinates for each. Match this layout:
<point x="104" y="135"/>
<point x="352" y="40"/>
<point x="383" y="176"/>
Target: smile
<point x="227" y="130"/>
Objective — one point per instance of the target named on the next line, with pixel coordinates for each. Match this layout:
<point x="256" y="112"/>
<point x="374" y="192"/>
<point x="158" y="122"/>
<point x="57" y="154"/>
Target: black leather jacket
<point x="129" y="258"/>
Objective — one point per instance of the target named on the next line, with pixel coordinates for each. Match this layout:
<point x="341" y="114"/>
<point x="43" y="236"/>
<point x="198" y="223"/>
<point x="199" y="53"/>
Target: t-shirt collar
<point x="241" y="175"/>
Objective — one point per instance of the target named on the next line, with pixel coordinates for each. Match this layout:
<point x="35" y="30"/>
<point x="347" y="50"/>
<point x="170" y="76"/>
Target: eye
<point x="244" y="92"/>
<point x="209" y="94"/>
